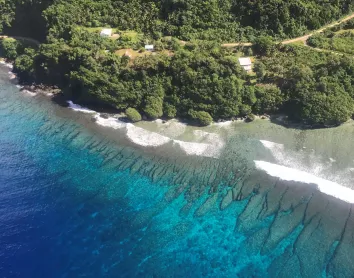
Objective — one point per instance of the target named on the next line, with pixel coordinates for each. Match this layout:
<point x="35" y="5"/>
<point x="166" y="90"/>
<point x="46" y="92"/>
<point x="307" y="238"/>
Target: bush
<point x="24" y="65"/>
<point x="250" y="118"/>
<point x="153" y="107"/>
<point x="269" y="98"/>
<point x="263" y="46"/>
<point x="8" y="48"/>
<point x="133" y="115"/>
<point x="202" y="118"/>
<point x="259" y="69"/>
<point x="170" y="111"/>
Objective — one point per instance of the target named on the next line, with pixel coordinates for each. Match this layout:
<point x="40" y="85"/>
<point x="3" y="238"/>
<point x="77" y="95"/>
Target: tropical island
<point x="198" y="60"/>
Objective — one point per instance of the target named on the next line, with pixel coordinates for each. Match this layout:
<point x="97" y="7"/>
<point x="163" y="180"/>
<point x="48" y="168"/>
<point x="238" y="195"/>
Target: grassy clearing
<point x="344" y="31"/>
<point x="302" y="43"/>
<point x="341" y="42"/>
<point x="133" y="36"/>
<point x="131" y="53"/>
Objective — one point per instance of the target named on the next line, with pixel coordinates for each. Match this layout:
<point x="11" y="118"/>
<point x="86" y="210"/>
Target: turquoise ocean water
<point x="74" y="202"/>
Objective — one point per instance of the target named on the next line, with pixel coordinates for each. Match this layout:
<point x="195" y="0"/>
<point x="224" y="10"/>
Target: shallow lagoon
<point x="79" y="199"/>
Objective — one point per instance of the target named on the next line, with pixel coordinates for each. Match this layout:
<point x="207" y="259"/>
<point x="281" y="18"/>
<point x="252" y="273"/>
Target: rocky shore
<point x="51" y="91"/>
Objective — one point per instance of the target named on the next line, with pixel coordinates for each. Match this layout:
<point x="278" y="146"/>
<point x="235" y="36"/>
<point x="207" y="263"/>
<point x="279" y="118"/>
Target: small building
<point x="149" y="47"/>
<point x="246" y="63"/>
<point x="106" y="33"/>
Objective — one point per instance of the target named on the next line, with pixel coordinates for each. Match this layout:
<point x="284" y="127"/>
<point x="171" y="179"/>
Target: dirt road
<point x="304" y="38"/>
<point x="298" y="39"/>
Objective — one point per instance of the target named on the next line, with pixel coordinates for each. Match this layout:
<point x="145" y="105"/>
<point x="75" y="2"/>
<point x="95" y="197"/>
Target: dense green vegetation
<point x="227" y="20"/>
<point x="7" y="13"/>
<point x="317" y="87"/>
<point x="342" y="42"/>
<point x="133" y="115"/>
<point x="24" y="18"/>
<point x="338" y="39"/>
<point x="199" y="80"/>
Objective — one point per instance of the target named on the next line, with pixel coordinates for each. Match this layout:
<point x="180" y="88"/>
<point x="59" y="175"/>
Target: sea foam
<point x="207" y="145"/>
<point x="144" y="137"/>
<point x="224" y="124"/>
<point x="302" y="160"/>
<point x="10" y="66"/>
<point x="29" y="93"/>
<point x="325" y="186"/>
<point x="109" y="122"/>
<point x="12" y="75"/>
<point x="79" y="108"/>
<point x="193" y="148"/>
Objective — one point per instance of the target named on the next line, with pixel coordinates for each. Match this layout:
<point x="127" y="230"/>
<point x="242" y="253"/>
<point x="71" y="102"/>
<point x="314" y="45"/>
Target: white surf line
<point x="144" y="137"/>
<point x="79" y="108"/>
<point x="289" y="174"/>
<point x="10" y="66"/>
<point x="226" y="123"/>
<point x="193" y="148"/>
<point x="210" y="146"/>
<point x="29" y="93"/>
<point x="305" y="161"/>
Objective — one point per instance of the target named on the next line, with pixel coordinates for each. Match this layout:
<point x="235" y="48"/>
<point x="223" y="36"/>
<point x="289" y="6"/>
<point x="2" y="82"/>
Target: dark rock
<point x="104" y="115"/>
<point x="250" y="118"/>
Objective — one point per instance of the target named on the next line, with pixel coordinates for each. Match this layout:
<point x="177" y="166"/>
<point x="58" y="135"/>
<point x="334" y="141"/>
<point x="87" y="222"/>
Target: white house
<point x="106" y="33"/>
<point x="246" y="63"/>
<point x="149" y="47"/>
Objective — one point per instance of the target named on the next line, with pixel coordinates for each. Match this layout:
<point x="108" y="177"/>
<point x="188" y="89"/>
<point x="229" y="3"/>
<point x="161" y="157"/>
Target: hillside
<point x="196" y="79"/>
<point x="226" y="20"/>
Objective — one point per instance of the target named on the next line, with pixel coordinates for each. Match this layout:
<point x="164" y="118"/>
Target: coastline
<point x="198" y="199"/>
<point x="107" y="112"/>
<point x="211" y="141"/>
<point x="52" y="91"/>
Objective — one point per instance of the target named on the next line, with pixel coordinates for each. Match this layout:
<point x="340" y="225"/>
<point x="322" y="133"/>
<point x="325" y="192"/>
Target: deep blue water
<point x="73" y="203"/>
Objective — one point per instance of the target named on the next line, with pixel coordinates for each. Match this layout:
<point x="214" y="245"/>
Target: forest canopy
<point x="196" y="79"/>
<point x="225" y="20"/>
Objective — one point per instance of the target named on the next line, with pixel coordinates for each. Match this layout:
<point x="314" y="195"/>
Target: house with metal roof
<point x="246" y="63"/>
<point x="106" y="33"/>
<point x="149" y="47"/>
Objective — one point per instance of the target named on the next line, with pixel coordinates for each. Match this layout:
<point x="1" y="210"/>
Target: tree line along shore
<point x="189" y="75"/>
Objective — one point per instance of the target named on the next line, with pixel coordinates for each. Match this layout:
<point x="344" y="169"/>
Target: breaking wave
<point x="79" y="108"/>
<point x="207" y="145"/>
<point x="29" y="93"/>
<point x="8" y="65"/>
<point x="144" y="137"/>
<point x="323" y="185"/>
<point x="307" y="167"/>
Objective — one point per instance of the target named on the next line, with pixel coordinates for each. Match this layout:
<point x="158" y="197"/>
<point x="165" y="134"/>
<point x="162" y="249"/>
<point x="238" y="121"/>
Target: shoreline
<point x="274" y="158"/>
<point x="59" y="98"/>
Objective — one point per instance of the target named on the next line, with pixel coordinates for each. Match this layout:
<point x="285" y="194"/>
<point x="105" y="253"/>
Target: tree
<point x="202" y="118"/>
<point x="153" y="107"/>
<point x="133" y="115"/>
<point x="24" y="65"/>
<point x="264" y="45"/>
<point x="170" y="111"/>
<point x="260" y="69"/>
<point x="8" y="48"/>
<point x="269" y="98"/>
